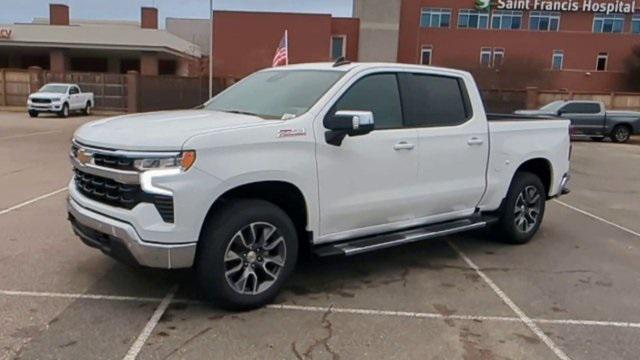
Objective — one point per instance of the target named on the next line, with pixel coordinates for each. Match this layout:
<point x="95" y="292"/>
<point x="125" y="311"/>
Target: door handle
<point x="475" y="141"/>
<point x="403" y="145"/>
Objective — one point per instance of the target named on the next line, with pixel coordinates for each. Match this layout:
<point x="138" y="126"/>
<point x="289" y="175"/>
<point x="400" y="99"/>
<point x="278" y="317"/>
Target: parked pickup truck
<point x="60" y="99"/>
<point x="590" y="118"/>
<point x="336" y="159"/>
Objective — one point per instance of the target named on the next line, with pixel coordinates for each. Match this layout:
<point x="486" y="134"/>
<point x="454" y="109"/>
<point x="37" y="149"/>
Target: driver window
<point x="376" y="93"/>
<point x="581" y="108"/>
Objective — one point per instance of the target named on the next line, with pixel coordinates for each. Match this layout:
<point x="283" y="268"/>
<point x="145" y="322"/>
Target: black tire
<point x="33" y="113"/>
<point x="621" y="134"/>
<point x="598" y="138"/>
<point x="222" y="251"/>
<point x="87" y="109"/>
<point x="509" y="229"/>
<point x="64" y="112"/>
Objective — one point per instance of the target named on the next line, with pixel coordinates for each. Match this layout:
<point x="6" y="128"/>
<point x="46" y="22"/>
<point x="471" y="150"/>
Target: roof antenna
<point x="341" y="61"/>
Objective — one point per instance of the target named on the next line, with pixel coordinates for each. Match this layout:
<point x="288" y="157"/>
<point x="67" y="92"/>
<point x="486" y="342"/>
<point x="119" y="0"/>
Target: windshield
<point x="276" y="94"/>
<point x="553" y="106"/>
<point x="58" y="89"/>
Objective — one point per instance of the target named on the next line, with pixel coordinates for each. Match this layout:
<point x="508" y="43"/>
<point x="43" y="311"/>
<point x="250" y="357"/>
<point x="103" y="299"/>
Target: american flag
<point x="282" y="52"/>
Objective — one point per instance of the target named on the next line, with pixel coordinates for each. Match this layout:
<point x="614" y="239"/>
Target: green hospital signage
<point x="590" y="6"/>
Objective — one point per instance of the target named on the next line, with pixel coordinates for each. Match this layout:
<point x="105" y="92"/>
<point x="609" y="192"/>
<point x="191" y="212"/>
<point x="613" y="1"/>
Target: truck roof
<point x="61" y="84"/>
<point x="348" y="66"/>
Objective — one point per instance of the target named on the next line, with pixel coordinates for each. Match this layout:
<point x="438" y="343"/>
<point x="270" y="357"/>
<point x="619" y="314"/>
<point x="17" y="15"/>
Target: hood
<point x="46" y="95"/>
<point x="160" y="131"/>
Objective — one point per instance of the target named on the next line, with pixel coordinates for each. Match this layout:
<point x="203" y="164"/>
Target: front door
<point x="368" y="182"/>
<point x="586" y="117"/>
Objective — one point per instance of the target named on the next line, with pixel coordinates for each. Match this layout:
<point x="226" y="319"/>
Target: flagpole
<point x="210" y="49"/>
<point x="286" y="44"/>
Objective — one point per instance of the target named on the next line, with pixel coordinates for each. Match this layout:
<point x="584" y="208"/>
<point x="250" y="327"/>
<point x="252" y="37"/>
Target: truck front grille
<point x="40" y="101"/>
<point x="114" y="162"/>
<point x="126" y="196"/>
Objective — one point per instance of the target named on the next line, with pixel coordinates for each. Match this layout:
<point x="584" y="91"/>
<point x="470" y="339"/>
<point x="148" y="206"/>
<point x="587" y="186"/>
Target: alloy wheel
<point x="622" y="134"/>
<point x="527" y="209"/>
<point x="255" y="258"/>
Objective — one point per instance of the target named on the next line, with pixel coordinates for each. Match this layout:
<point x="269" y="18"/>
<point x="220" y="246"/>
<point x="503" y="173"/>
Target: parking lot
<point x="572" y="293"/>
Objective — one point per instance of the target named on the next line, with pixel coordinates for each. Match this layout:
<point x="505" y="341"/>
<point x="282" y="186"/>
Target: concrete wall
<point x="379" y="29"/>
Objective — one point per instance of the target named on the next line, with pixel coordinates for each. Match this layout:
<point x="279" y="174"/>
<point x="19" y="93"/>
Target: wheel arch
<point x="540" y="167"/>
<point x="283" y="194"/>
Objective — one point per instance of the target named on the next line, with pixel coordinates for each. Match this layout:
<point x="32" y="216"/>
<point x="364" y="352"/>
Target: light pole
<point x="210" y="49"/>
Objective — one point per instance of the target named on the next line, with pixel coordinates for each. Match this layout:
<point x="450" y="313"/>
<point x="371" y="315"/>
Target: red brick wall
<point x="245" y="42"/>
<point x="58" y="14"/>
<point x="461" y="47"/>
<point x="351" y="28"/>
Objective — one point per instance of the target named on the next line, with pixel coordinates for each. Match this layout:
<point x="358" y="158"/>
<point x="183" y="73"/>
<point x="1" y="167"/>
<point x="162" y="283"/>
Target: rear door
<point x="586" y="117"/>
<point x="453" y="143"/>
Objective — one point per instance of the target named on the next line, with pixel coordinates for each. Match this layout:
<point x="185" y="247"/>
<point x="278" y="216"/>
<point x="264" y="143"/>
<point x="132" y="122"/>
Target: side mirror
<point x="561" y="112"/>
<point x="347" y="122"/>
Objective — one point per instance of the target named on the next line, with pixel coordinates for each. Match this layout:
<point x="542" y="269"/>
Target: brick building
<point x="572" y="44"/>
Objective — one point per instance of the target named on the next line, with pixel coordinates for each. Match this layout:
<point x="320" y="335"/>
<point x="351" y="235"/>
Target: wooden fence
<point x="508" y="100"/>
<point x="112" y="92"/>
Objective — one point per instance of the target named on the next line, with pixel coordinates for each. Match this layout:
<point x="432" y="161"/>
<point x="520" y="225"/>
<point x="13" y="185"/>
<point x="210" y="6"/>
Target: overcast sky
<point x="25" y="10"/>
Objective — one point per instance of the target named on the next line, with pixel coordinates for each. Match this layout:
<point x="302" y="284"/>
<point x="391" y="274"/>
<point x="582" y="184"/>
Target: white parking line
<point x="148" y="329"/>
<point x="332" y="309"/>
<point x="28" y="202"/>
<point x="525" y="319"/>
<point x="583" y="212"/>
<point x="30" y="134"/>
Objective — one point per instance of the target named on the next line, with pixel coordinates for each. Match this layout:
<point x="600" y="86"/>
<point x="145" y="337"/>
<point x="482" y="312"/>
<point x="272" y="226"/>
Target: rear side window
<point x="377" y="93"/>
<point x="581" y="108"/>
<point x="432" y="100"/>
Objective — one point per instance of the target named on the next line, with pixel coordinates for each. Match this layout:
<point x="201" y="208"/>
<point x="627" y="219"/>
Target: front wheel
<point x="621" y="134"/>
<point x="64" y="112"/>
<point x="246" y="253"/>
<point x="522" y="211"/>
<point x="33" y="113"/>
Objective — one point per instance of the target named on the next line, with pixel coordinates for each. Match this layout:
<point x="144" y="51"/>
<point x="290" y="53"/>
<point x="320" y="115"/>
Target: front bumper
<point x="121" y="241"/>
<point x="44" y="107"/>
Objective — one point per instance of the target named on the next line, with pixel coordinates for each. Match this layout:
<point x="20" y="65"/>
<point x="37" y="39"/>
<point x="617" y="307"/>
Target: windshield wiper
<point x="241" y="112"/>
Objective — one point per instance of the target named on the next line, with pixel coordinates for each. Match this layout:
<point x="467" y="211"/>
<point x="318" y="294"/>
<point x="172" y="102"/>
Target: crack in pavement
<point x="324" y="341"/>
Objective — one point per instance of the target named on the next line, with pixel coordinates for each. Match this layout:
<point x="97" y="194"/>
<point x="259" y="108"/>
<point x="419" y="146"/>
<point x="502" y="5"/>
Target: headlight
<point x="183" y="161"/>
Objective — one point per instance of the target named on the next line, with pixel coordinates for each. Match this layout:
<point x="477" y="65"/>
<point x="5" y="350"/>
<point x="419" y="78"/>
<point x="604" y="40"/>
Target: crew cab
<point x="336" y="159"/>
<point x="60" y="99"/>
<point x="590" y="118"/>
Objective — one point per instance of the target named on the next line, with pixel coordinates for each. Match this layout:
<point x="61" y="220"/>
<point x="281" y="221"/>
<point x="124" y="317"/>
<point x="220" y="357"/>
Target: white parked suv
<point x="60" y="99"/>
<point x="337" y="159"/>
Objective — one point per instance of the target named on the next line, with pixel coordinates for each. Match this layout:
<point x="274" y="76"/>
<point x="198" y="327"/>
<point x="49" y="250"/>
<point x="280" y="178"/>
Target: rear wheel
<point x="522" y="211"/>
<point x="247" y="251"/>
<point x="621" y="134"/>
<point x="87" y="109"/>
<point x="33" y="113"/>
<point x="65" y="111"/>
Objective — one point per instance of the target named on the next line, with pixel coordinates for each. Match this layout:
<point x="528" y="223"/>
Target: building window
<point x="635" y="24"/>
<point x="473" y="19"/>
<point x="498" y="57"/>
<point x="485" y="56"/>
<point x="601" y="64"/>
<point x="435" y="18"/>
<point x="612" y="23"/>
<point x="557" y="62"/>
<point x="426" y="55"/>
<point x="544" y="21"/>
<point x="506" y="19"/>
<point x="338" y="46"/>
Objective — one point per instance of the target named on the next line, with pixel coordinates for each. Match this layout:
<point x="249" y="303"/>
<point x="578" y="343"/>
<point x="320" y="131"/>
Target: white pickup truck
<point x="60" y="99"/>
<point x="336" y="159"/>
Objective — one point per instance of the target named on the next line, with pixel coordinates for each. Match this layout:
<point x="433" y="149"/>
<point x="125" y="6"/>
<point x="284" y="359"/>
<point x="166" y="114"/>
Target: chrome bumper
<point x="564" y="184"/>
<point x="121" y="241"/>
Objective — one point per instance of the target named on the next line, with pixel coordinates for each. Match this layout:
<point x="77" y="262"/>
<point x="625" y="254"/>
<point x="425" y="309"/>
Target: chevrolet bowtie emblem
<point x="84" y="157"/>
